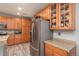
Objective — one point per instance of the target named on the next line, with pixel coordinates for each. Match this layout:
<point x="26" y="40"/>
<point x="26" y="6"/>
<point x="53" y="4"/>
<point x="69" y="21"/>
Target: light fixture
<point x="19" y="8"/>
<point x="18" y="13"/>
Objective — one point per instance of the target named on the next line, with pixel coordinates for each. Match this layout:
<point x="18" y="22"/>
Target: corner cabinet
<point x="62" y="16"/>
<point x="44" y="13"/>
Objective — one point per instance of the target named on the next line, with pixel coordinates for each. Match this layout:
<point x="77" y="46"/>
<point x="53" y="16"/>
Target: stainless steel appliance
<point x="3" y="26"/>
<point x="40" y="33"/>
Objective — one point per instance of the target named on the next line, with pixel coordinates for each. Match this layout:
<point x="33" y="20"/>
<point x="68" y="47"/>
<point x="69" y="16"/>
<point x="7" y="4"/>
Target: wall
<point x="71" y="35"/>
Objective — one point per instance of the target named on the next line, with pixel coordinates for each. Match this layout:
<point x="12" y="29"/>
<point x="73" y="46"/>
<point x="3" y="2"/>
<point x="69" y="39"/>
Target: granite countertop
<point x="62" y="43"/>
<point x="3" y="39"/>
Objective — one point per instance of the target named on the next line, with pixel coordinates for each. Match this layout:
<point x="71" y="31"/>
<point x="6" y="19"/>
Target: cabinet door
<point x="26" y="28"/>
<point x="48" y="50"/>
<point x="11" y="40"/>
<point x="3" y="19"/>
<point x="47" y="13"/>
<point x="51" y="50"/>
<point x="10" y="23"/>
<point x="18" y="23"/>
<point x="59" y="52"/>
<point x="54" y="21"/>
<point x="25" y="36"/>
<point x="18" y="38"/>
<point x="66" y="16"/>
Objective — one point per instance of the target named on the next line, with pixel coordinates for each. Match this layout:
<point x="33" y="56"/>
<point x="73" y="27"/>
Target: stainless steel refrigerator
<point x="40" y="33"/>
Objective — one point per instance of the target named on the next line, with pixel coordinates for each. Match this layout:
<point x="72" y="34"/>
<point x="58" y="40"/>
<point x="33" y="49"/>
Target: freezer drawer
<point x="34" y="51"/>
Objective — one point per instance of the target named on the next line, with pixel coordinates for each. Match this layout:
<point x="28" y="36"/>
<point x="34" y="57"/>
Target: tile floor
<point x="18" y="50"/>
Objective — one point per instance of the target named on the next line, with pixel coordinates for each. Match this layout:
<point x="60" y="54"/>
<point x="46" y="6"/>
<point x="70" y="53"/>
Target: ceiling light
<point x="19" y="8"/>
<point x="18" y="13"/>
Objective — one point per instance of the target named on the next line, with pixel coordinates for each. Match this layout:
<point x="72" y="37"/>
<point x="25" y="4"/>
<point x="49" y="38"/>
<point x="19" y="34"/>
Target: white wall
<point x="71" y="35"/>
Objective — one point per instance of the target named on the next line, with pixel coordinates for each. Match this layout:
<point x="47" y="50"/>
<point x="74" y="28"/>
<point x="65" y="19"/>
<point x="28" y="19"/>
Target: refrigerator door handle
<point x="32" y="31"/>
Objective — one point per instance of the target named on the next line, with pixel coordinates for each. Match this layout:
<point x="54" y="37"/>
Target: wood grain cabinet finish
<point x="62" y="16"/>
<point x="11" y="40"/>
<point x="13" y="23"/>
<point x="3" y="19"/>
<point x="44" y="13"/>
<point x="51" y="50"/>
<point x="18" y="39"/>
<point x="54" y="21"/>
<point x="16" y="23"/>
<point x="10" y="23"/>
<point x="14" y="39"/>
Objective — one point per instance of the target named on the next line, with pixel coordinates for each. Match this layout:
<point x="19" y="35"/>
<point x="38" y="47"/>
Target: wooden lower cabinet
<point x="18" y="38"/>
<point x="25" y="37"/>
<point x="11" y="40"/>
<point x="48" y="50"/>
<point x="51" y="50"/>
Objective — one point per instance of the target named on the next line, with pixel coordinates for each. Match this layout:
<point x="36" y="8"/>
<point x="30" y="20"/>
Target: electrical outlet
<point x="59" y="33"/>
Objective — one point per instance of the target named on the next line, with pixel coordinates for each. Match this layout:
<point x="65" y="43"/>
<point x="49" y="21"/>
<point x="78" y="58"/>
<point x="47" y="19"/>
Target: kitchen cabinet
<point x="11" y="40"/>
<point x="18" y="38"/>
<point x="10" y="23"/>
<point x="26" y="28"/>
<point x="54" y="21"/>
<point x="26" y="24"/>
<point x="66" y="16"/>
<point x="62" y="16"/>
<point x="25" y="36"/>
<point x="48" y="50"/>
<point x="18" y="23"/>
<point x="15" y="23"/>
<point x="14" y="39"/>
<point x="51" y="50"/>
<point x="3" y="19"/>
<point x="44" y="13"/>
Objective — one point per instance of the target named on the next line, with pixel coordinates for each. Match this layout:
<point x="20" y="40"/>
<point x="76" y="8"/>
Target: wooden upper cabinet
<point x="62" y="16"/>
<point x="3" y="19"/>
<point x="26" y="24"/>
<point x="44" y="13"/>
<point x="10" y="23"/>
<point x="18" y="23"/>
<point x="14" y="23"/>
<point x="54" y="21"/>
<point x="66" y="16"/>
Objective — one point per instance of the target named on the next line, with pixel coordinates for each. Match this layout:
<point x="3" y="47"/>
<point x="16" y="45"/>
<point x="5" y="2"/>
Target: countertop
<point x="62" y="43"/>
<point x="3" y="39"/>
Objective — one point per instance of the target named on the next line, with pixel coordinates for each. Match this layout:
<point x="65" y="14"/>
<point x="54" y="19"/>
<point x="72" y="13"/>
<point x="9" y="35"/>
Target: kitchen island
<point x="3" y="42"/>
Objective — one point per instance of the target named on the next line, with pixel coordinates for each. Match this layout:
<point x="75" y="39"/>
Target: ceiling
<point x="28" y="9"/>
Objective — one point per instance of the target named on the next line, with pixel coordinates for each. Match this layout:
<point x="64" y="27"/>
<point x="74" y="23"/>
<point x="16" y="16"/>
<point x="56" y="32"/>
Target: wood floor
<point x="18" y="50"/>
